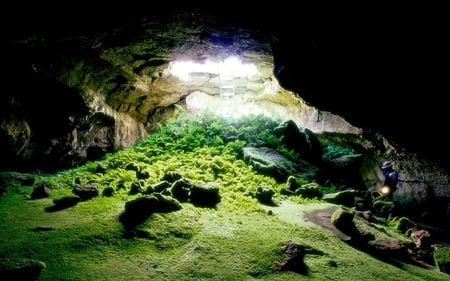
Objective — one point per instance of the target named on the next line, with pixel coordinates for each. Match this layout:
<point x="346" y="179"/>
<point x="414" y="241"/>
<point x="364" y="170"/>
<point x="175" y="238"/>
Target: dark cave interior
<point x="379" y="67"/>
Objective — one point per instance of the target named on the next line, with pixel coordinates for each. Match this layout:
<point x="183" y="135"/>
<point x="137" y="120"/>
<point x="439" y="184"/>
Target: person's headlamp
<point x="385" y="190"/>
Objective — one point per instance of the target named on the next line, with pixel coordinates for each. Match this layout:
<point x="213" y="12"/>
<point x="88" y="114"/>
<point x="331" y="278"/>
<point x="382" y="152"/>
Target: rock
<point x="26" y="270"/>
<point x="264" y="194"/>
<point x="41" y="191"/>
<point x="86" y="191"/>
<point x="206" y="195"/>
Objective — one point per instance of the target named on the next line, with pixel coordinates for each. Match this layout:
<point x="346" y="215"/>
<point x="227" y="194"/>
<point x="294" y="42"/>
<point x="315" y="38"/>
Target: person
<point x="390" y="178"/>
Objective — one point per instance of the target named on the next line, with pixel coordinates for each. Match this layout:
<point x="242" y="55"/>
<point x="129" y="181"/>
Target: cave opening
<point x="231" y="93"/>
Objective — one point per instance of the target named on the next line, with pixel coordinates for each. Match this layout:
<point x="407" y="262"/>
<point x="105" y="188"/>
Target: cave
<point x="89" y="89"/>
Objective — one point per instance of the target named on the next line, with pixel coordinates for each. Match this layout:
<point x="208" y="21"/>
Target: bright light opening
<point x="230" y="67"/>
<point x="233" y="107"/>
<point x="234" y="81"/>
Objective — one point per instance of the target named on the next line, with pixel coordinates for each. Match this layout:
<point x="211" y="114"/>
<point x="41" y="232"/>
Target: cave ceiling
<point x="378" y="67"/>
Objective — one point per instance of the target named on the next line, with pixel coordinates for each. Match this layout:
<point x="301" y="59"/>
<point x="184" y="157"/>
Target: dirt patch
<point x="323" y="218"/>
<point x="320" y="215"/>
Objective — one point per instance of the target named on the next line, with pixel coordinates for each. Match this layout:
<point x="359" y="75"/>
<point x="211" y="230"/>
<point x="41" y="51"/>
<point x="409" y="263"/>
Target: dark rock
<point x="26" y="270"/>
<point x="342" y="219"/>
<point x="66" y="201"/>
<point x="41" y="191"/>
<point x="108" y="191"/>
<point x="181" y="189"/>
<point x="205" y="195"/>
<point x="291" y="186"/>
<point x="142" y="175"/>
<point x="138" y="210"/>
<point x="63" y="203"/>
<point x="135" y="188"/>
<point x="264" y="194"/>
<point x="304" y="142"/>
<point x="344" y="197"/>
<point x="166" y="203"/>
<point x="172" y="176"/>
<point x="310" y="190"/>
<point x="86" y="191"/>
<point x="159" y="187"/>
<point x="294" y="259"/>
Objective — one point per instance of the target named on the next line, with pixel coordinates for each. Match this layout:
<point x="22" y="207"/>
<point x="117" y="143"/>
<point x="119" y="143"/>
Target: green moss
<point x="442" y="259"/>
<point x="342" y="218"/>
<point x="235" y="240"/>
<point x="402" y="224"/>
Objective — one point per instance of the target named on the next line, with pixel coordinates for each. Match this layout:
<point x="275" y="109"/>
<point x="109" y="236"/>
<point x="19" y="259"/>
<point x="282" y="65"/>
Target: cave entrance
<point x="227" y="87"/>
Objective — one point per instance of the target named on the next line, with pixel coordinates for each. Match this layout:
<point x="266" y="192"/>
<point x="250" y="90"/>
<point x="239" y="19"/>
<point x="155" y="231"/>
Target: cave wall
<point x="73" y="98"/>
<point x="379" y="67"/>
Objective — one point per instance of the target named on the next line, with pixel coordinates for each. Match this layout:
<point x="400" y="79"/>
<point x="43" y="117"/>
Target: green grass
<point x="239" y="239"/>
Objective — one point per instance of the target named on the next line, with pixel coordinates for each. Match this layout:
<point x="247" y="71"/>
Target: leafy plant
<point x="333" y="150"/>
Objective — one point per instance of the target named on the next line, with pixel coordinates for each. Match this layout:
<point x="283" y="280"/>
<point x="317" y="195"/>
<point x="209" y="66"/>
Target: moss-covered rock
<point x="442" y="259"/>
<point x="21" y="269"/>
<point x="342" y="219"/>
<point x="344" y="197"/>
<point x="86" y="191"/>
<point x="181" y="189"/>
<point x="206" y="195"/>
<point x="264" y="194"/>
<point x="403" y="224"/>
<point x="383" y="206"/>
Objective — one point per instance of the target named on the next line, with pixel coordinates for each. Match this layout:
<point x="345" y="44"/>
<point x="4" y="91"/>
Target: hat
<point x="387" y="164"/>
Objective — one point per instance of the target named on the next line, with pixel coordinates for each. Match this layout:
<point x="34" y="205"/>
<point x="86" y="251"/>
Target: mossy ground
<point x="239" y="239"/>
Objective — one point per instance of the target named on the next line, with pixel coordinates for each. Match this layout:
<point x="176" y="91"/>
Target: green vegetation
<point x="442" y="259"/>
<point x="238" y="239"/>
<point x="335" y="151"/>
